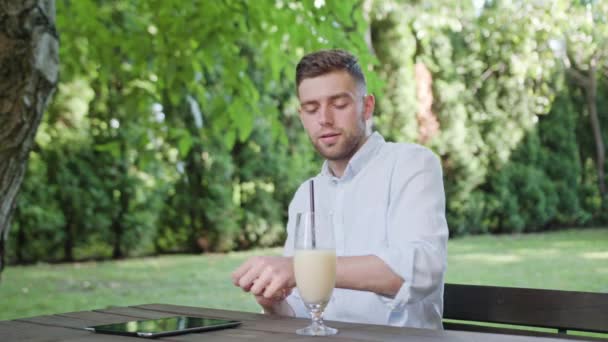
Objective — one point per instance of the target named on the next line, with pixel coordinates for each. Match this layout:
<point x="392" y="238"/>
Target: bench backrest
<point x="562" y="310"/>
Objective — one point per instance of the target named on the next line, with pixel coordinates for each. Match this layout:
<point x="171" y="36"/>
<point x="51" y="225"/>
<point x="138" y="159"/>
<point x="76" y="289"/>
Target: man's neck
<point x="337" y="167"/>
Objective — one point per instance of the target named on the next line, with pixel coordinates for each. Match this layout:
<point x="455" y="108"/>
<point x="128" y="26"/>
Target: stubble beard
<point x="344" y="149"/>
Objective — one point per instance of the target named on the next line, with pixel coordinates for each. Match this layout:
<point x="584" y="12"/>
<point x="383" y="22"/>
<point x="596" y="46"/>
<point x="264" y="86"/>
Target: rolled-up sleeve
<point x="417" y="230"/>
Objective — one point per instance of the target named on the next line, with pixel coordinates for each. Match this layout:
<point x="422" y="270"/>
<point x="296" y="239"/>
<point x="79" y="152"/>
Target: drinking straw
<point x="312" y="213"/>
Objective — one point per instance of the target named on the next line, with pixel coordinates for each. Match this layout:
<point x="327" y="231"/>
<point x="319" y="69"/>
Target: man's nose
<point x="326" y="116"/>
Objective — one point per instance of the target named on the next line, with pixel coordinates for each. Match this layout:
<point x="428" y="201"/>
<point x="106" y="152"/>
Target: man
<point x="388" y="205"/>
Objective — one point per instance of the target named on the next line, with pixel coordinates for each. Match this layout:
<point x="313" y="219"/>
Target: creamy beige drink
<point x="315" y="271"/>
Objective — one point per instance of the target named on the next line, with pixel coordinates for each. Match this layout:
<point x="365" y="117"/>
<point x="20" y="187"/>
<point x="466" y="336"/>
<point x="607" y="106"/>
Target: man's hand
<point x="274" y="305"/>
<point x="269" y="278"/>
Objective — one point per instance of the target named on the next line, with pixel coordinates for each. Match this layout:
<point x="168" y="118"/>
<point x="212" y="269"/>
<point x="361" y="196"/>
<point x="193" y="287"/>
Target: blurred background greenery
<point x="175" y="130"/>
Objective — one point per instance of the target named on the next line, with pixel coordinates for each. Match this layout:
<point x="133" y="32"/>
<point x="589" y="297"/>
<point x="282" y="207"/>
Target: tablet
<point x="166" y="326"/>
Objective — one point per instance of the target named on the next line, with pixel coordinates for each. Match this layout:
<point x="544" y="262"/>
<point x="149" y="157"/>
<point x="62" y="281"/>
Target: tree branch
<point x="578" y="77"/>
<point x="500" y="67"/>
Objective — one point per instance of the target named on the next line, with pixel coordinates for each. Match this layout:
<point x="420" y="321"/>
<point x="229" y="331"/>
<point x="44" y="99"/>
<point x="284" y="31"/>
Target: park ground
<point x="573" y="259"/>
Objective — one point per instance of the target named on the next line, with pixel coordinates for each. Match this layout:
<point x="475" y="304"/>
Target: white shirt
<point x="390" y="202"/>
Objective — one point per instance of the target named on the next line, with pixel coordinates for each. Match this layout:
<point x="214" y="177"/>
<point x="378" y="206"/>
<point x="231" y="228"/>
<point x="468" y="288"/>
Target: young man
<point x="388" y="204"/>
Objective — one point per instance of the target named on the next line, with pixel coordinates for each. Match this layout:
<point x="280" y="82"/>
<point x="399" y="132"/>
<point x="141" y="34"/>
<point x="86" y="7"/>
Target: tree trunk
<point x="199" y="238"/>
<point x="588" y="82"/>
<point x="600" y="150"/>
<point x="65" y="201"/>
<point x="68" y="240"/>
<point x="29" y="61"/>
<point x="124" y="200"/>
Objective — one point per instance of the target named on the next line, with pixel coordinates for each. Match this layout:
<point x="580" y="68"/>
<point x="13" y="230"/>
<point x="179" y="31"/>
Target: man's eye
<point x="310" y="109"/>
<point x="340" y="105"/>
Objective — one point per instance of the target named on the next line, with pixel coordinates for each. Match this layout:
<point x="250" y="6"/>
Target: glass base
<point x="317" y="330"/>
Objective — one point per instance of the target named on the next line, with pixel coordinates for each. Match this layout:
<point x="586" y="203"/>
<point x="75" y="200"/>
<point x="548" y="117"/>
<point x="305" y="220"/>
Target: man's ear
<point x="369" y="103"/>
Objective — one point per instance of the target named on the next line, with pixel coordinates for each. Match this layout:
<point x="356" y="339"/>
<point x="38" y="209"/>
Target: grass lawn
<point x="566" y="260"/>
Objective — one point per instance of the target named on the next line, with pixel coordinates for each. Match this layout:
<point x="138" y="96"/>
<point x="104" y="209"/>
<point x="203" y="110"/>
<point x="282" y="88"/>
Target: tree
<point x="584" y="51"/>
<point x="489" y="67"/>
<point x="182" y="97"/>
<point x="29" y="67"/>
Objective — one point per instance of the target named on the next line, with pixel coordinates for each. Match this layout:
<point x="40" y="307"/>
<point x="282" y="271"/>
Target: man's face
<point x="333" y="111"/>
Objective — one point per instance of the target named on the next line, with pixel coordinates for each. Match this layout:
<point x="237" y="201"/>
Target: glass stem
<point x="317" y="317"/>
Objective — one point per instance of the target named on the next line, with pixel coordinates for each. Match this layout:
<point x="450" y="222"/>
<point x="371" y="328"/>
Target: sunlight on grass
<point x="595" y="255"/>
<point x="551" y="260"/>
<point x="489" y="258"/>
<point x="536" y="252"/>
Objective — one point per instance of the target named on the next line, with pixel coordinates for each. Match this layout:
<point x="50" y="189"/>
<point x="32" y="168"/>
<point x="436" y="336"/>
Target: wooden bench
<point x="560" y="310"/>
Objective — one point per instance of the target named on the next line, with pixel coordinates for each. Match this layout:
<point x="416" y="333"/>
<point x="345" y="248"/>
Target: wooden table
<point x="255" y="327"/>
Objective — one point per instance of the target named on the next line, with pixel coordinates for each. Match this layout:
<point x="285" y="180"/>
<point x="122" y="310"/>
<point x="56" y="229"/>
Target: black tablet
<point x="164" y="326"/>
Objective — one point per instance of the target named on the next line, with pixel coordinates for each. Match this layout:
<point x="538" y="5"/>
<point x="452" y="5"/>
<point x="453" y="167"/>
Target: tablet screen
<point x="164" y="326"/>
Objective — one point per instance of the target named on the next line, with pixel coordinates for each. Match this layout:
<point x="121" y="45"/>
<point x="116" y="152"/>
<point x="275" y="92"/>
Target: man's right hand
<point x="273" y="305"/>
<point x="268" y="277"/>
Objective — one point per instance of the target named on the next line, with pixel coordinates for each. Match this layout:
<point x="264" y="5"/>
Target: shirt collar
<point x="360" y="158"/>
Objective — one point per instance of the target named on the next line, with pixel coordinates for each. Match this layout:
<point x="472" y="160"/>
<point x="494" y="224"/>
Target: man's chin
<point x="343" y="149"/>
<point x="331" y="153"/>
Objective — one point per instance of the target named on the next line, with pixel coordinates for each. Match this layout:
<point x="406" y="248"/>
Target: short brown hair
<point x="326" y="61"/>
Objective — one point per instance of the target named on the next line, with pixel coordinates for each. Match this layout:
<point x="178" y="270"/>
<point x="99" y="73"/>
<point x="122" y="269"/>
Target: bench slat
<point x="569" y="310"/>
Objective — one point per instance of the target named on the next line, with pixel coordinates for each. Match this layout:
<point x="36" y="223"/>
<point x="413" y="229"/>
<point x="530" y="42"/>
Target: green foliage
<point x="513" y="157"/>
<point x="525" y="199"/>
<point x="395" y="44"/>
<point x="174" y="128"/>
<point x="37" y="219"/>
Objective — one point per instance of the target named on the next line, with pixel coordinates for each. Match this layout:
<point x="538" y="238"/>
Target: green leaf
<point x="112" y="147"/>
<point x="230" y="139"/>
<point x="184" y="144"/>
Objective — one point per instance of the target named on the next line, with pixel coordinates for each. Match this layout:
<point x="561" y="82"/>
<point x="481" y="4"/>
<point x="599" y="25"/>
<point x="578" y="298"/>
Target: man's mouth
<point x="329" y="138"/>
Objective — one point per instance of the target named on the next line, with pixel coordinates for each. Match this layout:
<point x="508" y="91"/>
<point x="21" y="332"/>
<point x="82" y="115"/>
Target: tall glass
<point x="315" y="268"/>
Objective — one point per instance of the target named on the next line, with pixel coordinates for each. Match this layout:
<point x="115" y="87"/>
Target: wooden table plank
<point x="266" y="328"/>
<point x="24" y="331"/>
<point x="513" y="331"/>
<point x="286" y="327"/>
<point x="67" y="327"/>
<point x="77" y="321"/>
<point x="348" y="331"/>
